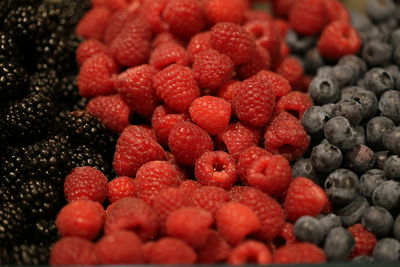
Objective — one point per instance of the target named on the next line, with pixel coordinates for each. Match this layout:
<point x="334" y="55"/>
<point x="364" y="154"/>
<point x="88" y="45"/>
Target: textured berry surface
<point x="250" y="252"/>
<point x="209" y="198"/>
<point x="225" y="10"/>
<point x="247" y="158"/>
<point x="169" y="250"/>
<point x="308" y="17"/>
<point x="365" y="241"/>
<point x="121" y="187"/>
<point x="278" y="83"/>
<point x="299" y="253"/>
<point x="73" y="251"/>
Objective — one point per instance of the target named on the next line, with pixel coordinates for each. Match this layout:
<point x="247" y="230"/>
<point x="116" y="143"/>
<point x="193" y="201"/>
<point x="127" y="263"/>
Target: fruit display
<point x="199" y="132"/>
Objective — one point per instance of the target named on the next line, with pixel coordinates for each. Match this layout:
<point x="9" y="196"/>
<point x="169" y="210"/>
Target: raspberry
<point x="250" y="252"/>
<point x="270" y="174"/>
<point x="282" y="7"/>
<point x="227" y="89"/>
<point x="188" y="141"/>
<point x="282" y="27"/>
<point x="131" y="47"/>
<point x="167" y="54"/>
<point x="295" y="103"/>
<point x="226" y="10"/>
<point x="72" y="251"/>
<point x="286" y="236"/>
<point x="365" y="241"/>
<point x="253" y="102"/>
<point x="286" y="136"/>
<point x="176" y="86"/>
<point x="117" y="22"/>
<point x="189" y="186"/>
<point x="338" y="39"/>
<point x="85" y="183"/>
<point x="260" y="61"/>
<point x="199" y="43"/>
<point x="304" y="197"/>
<point x="212" y="68"/>
<point x="135" y="86"/>
<point x="169" y="250"/>
<point x="256" y="14"/>
<point x="209" y="198"/>
<point x="94" y="23"/>
<point x="238" y="137"/>
<point x="299" y="253"/>
<point x="335" y="10"/>
<point x="185" y="18"/>
<point x="111" y="110"/>
<point x="308" y="17"/>
<point x="165" y="38"/>
<point x="80" y="218"/>
<point x="235" y="192"/>
<point x="189" y="224"/>
<point x="278" y="83"/>
<point x="89" y="48"/>
<point x="131" y="214"/>
<point x="267" y="210"/>
<point x="214" y="250"/>
<point x="121" y="187"/>
<point x="216" y="168"/>
<point x="235" y="221"/>
<point x="134" y="148"/>
<point x="147" y="130"/>
<point x="234" y="41"/>
<point x="247" y="157"/>
<point x="96" y="76"/>
<point x="112" y="5"/>
<point x="292" y="70"/>
<point x="147" y="248"/>
<point x="151" y="11"/>
<point x="120" y="247"/>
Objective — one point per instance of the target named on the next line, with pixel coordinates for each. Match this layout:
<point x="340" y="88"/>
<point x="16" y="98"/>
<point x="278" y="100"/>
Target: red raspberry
<point x="304" y="197"/>
<point x="117" y="22"/>
<point x="238" y="137"/>
<point x="235" y="221"/>
<point x="199" y="43"/>
<point x="286" y="236"/>
<point x="270" y="174"/>
<point x="170" y="250"/>
<point x="147" y="248"/>
<point x="365" y="240"/>
<point x="151" y="11"/>
<point x="286" y="136"/>
<point x="209" y="198"/>
<point x="216" y="168"/>
<point x="246" y="158"/>
<point x="121" y="187"/>
<point x="226" y="10"/>
<point x="80" y="218"/>
<point x="112" y="5"/>
<point x="211" y="113"/>
<point x="336" y="10"/>
<point x="167" y="54"/>
<point x="250" y="252"/>
<point x="227" y="89"/>
<point x="165" y="38"/>
<point x="282" y="7"/>
<point x="111" y="110"/>
<point x="189" y="224"/>
<point x="234" y="41"/>
<point x="235" y="192"/>
<point x="308" y="17"/>
<point x="215" y="249"/>
<point x="176" y="86"/>
<point x="89" y="48"/>
<point x="299" y="253"/>
<point x="292" y="70"/>
<point x="267" y="210"/>
<point x="255" y="14"/>
<point x="85" y="183"/>
<point x="147" y="130"/>
<point x="278" y="83"/>
<point x="187" y="142"/>
<point x="295" y="103"/>
<point x="254" y="102"/>
<point x="120" y="247"/>
<point x="212" y="68"/>
<point x="131" y="47"/>
<point x="134" y="148"/>
<point x="260" y="61"/>
<point x="305" y="83"/>
<point x="96" y="76"/>
<point x="189" y="186"/>
<point x="93" y="24"/>
<point x="282" y="27"/>
<point x="131" y="214"/>
<point x="135" y="85"/>
<point x="72" y="251"/>
<point x="185" y="18"/>
<point x="338" y="39"/>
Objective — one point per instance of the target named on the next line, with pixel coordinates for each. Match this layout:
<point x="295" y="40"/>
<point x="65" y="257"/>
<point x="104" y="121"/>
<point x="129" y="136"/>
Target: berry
<point x="336" y="10"/>
<point x="339" y="243"/>
<point x="344" y="74"/>
<point x="81" y="156"/>
<point x="209" y="198"/>
<point x="387" y="195"/>
<point x="392" y="167"/>
<point x="72" y="251"/>
<point x="29" y="254"/>
<point x="329" y="221"/>
<point x="376" y="130"/>
<point x="396" y="228"/>
<point x="199" y="43"/>
<point x="378" y="81"/>
<point x="377" y="220"/>
<point x="380" y="11"/>
<point x="360" y="158"/>
<point x="342" y="186"/>
<point x="121" y="187"/>
<point x="339" y="132"/>
<point x="389" y="105"/>
<point x="118" y="20"/>
<point x="308" y="17"/>
<point x="299" y="253"/>
<point x="295" y="103"/>
<point x="304" y="168"/>
<point x="94" y="23"/>
<point x="89" y="48"/>
<point x="325" y="158"/>
<point x="350" y="109"/>
<point x="189" y="186"/>
<point x="299" y="44"/>
<point x="291" y="69"/>
<point x="365" y="241"/>
<point x="278" y="83"/>
<point x="250" y="252"/>
<point x="352" y="212"/>
<point x="367" y="99"/>
<point x="12" y="222"/>
<point x="13" y="76"/>
<point x="170" y="250"/>
<point x="260" y="61"/>
<point x="387" y="250"/>
<point x="167" y="54"/>
<point x="309" y="229"/>
<point x="226" y="11"/>
<point x="216" y="249"/>
<point x="369" y="181"/>
<point x="246" y="158"/>
<point x="324" y="90"/>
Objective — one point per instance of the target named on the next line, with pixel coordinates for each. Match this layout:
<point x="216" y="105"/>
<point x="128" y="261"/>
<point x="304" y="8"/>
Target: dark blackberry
<point x="12" y="223"/>
<point x="22" y="22"/>
<point x="69" y="94"/>
<point x="12" y="167"/>
<point x="85" y="156"/>
<point x="13" y="79"/>
<point x="9" y="48"/>
<point x="46" y="82"/>
<point x="6" y="195"/>
<point x="29" y="254"/>
<point x="44" y="230"/>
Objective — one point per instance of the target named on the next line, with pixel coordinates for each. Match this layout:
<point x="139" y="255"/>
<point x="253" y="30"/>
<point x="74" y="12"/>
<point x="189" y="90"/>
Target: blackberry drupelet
<point x="46" y="82"/>
<point x="13" y="79"/>
<point x="29" y="254"/>
<point x="9" y="49"/>
<point x="44" y="230"/>
<point x="6" y="195"/>
<point x="70" y="98"/>
<point x="22" y="22"/>
<point x="12" y="223"/>
<point x="12" y="167"/>
<point x="85" y="156"/>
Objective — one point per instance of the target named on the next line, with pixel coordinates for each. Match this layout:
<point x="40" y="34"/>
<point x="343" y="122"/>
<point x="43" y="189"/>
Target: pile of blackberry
<point x="355" y="133"/>
<point x="41" y="138"/>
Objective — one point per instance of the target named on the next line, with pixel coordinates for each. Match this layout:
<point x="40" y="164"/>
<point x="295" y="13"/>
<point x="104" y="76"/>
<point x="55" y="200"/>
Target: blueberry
<point x="342" y="186"/>
<point x="362" y="259"/>
<point x="392" y="167"/>
<point x="395" y="72"/>
<point x="356" y="63"/>
<point x="314" y="120"/>
<point x="378" y="81"/>
<point x="344" y="74"/>
<point x="326" y="158"/>
<point x="338" y="244"/>
<point x="377" y="53"/>
<point x="367" y="99"/>
<point x="351" y="213"/>
<point x="360" y="82"/>
<point x="325" y="71"/>
<point x="309" y="229"/>
<point x="328" y="107"/>
<point x="387" y="249"/>
<point x="389" y="105"/>
<point x="381" y="157"/>
<point x="360" y="21"/>
<point x="373" y="33"/>
<point x="350" y="91"/>
<point x="329" y="221"/>
<point x="387" y="195"/>
<point x="380" y="10"/>
<point x="369" y="181"/>
<point x="396" y="54"/>
<point x="340" y="133"/>
<point x="350" y="109"/>
<point x="376" y="127"/>
<point x="359" y="135"/>
<point x="396" y="228"/>
<point x="324" y="90"/>
<point x="304" y="168"/>
<point x="299" y="44"/>
<point x="360" y="158"/>
<point x="313" y="60"/>
<point x="395" y="37"/>
<point x="391" y="140"/>
<point x="377" y="220"/>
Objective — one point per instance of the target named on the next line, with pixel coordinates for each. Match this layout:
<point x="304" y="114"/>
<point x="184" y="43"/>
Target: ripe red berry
<point x="282" y="7"/>
<point x="299" y="253"/>
<point x="295" y="103"/>
<point x="215" y="249"/>
<point x="170" y="250"/>
<point x="227" y="89"/>
<point x="286" y="235"/>
<point x="308" y="17"/>
<point x="167" y="54"/>
<point x="209" y="198"/>
<point x="336" y="10"/>
<point x="235" y="192"/>
<point x="365" y="241"/>
<point x="250" y="252"/>
<point x="89" y="48"/>
<point x="199" y="43"/>
<point x="226" y="10"/>
<point x="260" y="61"/>
<point x="94" y="23"/>
<point x="292" y="70"/>
<point x="151" y="11"/>
<point x="189" y="186"/>
<point x="247" y="157"/>
<point x="121" y="187"/>
<point x="118" y="21"/>
<point x="278" y="83"/>
<point x="72" y="251"/>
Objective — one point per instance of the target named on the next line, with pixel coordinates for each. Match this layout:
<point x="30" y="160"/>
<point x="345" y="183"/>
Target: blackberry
<point x="85" y="156"/>
<point x="69" y="94"/>
<point x="6" y="195"/>
<point x="29" y="254"/>
<point x="12" y="223"/>
<point x="44" y="230"/>
<point x="46" y="82"/>
<point x="9" y="49"/>
<point x="22" y="22"/>
<point x="13" y="79"/>
<point x="12" y="167"/>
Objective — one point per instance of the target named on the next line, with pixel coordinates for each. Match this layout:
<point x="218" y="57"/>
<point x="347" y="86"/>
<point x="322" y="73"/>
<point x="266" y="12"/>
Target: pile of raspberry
<point x="207" y="101"/>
